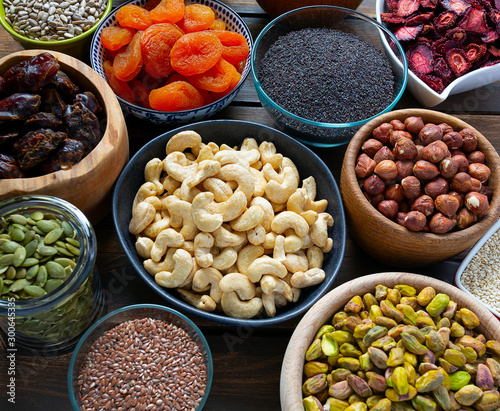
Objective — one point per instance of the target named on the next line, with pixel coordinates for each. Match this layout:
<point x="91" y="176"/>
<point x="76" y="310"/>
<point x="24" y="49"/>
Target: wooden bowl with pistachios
<point x="393" y="338"/>
<point x="419" y="187"/>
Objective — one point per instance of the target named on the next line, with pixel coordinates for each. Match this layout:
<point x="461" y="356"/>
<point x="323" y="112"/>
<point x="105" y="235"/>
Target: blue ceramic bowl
<point x="233" y="132"/>
<point x="233" y="23"/>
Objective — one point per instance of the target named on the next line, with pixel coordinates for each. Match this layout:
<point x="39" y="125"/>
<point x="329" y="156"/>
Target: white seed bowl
<point x="466" y="261"/>
<point x="427" y="96"/>
<point x="233" y="23"/>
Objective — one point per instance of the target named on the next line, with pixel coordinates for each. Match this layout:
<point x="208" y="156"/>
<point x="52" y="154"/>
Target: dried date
<point x="82" y="125"/>
<point x="62" y="82"/>
<point x="36" y="146"/>
<point x="19" y="106"/>
<point x="67" y="154"/>
<point x="43" y="120"/>
<point x="9" y="167"/>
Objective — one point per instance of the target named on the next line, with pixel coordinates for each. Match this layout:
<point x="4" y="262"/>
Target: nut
<point x="400" y="218"/>
<point x="394" y="192"/>
<point x="469" y="140"/>
<point x="477" y="203"/>
<point x="386" y="169"/>
<point x="446" y="128"/>
<point x="476" y="157"/>
<point x="424" y="204"/>
<point x="425" y="170"/>
<point x="414" y="124"/>
<point x="415" y="221"/>
<point x="459" y="196"/>
<point x="404" y="149"/>
<point x="388" y="208"/>
<point x="383" y="132"/>
<point x="440" y="224"/>
<point x="411" y="187"/>
<point x="398" y="124"/>
<point x="364" y="166"/>
<point x="476" y="185"/>
<point x="448" y="167"/>
<point x="397" y="134"/>
<point x="480" y="171"/>
<point x="453" y="140"/>
<point x="465" y="218"/>
<point x="436" y="187"/>
<point x="374" y="185"/>
<point x="435" y="151"/>
<point x="461" y="182"/>
<point x="384" y="153"/>
<point x="447" y="204"/>
<point x="487" y="191"/>
<point x="371" y="146"/>
<point x="405" y="168"/>
<point x="462" y="162"/>
<point x="430" y="133"/>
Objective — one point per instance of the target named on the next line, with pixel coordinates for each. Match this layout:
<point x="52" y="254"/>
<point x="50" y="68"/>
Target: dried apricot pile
<point x="169" y="56"/>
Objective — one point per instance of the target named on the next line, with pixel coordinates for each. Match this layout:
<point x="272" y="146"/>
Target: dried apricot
<point x="197" y="17"/>
<point x="168" y="11"/>
<point x="113" y="38"/>
<point x="196" y="52"/>
<point x="216" y="78"/>
<point x="141" y="93"/>
<point x="234" y="82"/>
<point x="128" y="64"/>
<point x="176" y="96"/>
<point x="234" y="46"/>
<point x="218" y="24"/>
<point x="133" y="16"/>
<point x="149" y="81"/>
<point x="156" y="42"/>
<point x="120" y="88"/>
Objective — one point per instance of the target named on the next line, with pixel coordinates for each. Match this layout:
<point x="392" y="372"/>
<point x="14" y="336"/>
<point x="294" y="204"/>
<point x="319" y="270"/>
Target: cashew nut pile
<point x="230" y="228"/>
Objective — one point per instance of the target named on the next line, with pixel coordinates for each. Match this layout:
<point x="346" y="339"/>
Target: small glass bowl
<point x="55" y="321"/>
<point x="129" y="313"/>
<point x="338" y="18"/>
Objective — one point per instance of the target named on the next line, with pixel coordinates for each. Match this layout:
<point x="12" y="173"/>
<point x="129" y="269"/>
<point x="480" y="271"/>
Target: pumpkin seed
<point x="16" y="234"/>
<point x="53" y="236"/>
<point x="21" y="273"/>
<point x="73" y="242"/>
<point x="41" y="277"/>
<point x="68" y="229"/>
<point x="37" y="215"/>
<point x="28" y="262"/>
<point x="18" y="285"/>
<point x="31" y="247"/>
<point x="55" y="270"/>
<point x="10" y="246"/>
<point x="35" y="290"/>
<point x="32" y="272"/>
<point x="18" y="219"/>
<point x="65" y="262"/>
<point x="52" y="284"/>
<point x="6" y="259"/>
<point x="46" y="250"/>
<point x="73" y="249"/>
<point x="46" y="226"/>
<point x="19" y="256"/>
<point x="10" y="273"/>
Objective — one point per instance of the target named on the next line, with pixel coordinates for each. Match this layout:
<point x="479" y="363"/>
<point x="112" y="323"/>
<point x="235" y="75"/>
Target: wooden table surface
<point x="247" y="362"/>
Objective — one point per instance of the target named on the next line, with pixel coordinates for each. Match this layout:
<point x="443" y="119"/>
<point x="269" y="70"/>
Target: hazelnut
<point x="404" y="149"/>
<point x="461" y="182"/>
<point x="480" y="171"/>
<point x="430" y="133"/>
<point x="465" y="218"/>
<point x="397" y="134"/>
<point x="394" y="192"/>
<point x="448" y="167"/>
<point x="476" y="185"/>
<point x="386" y="170"/>
<point x="487" y="191"/>
<point x="458" y="196"/>
<point x="424" y="204"/>
<point x="446" y="128"/>
<point x="384" y="153"/>
<point x="425" y="170"/>
<point x="435" y="151"/>
<point x="440" y="224"/>
<point x="374" y="185"/>
<point x="388" y="208"/>
<point x="476" y="157"/>
<point x="414" y="124"/>
<point x="405" y="168"/>
<point x="364" y="166"/>
<point x="400" y="218"/>
<point x="411" y="187"/>
<point x="383" y="132"/>
<point x="420" y="147"/>
<point x="371" y="146"/>
<point x="436" y="187"/>
<point x="415" y="221"/>
<point x="398" y="124"/>
<point x="469" y="140"/>
<point x="477" y="203"/>
<point x="374" y="200"/>
<point x="447" y="204"/>
<point x="453" y="140"/>
<point x="463" y="163"/>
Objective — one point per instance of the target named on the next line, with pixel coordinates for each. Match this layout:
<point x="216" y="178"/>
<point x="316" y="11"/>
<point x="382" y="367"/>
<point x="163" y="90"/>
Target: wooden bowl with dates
<point x="85" y="171"/>
<point x="419" y="187"/>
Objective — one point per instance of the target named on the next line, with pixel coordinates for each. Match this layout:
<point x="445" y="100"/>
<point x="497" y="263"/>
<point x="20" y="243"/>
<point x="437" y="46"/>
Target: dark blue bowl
<point x="233" y="132"/>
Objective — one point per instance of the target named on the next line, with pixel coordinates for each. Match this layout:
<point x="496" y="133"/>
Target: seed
<point x="10" y="246"/>
<point x="16" y="234"/>
<point x="53" y="236"/>
<point x="46" y="250"/>
<point x="18" y="219"/>
<point x="18" y="285"/>
<point x="52" y="284"/>
<point x="55" y="270"/>
<point x="19" y="256"/>
<point x="35" y="290"/>
<point x="41" y="277"/>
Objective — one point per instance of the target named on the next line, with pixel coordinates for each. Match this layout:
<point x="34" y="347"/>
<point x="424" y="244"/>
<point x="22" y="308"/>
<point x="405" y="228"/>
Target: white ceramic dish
<point x="423" y="93"/>
<point x="463" y="265"/>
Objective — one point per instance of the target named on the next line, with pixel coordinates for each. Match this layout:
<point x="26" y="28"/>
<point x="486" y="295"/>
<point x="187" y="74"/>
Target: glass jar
<point x="54" y="321"/>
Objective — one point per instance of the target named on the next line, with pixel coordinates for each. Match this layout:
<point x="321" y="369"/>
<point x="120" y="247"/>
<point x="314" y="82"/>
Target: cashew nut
<point x="183" y="140"/>
<point x="295" y="262"/>
<point x="236" y="308"/>
<point x="202" y="302"/>
<point x="166" y="238"/>
<point x="142" y="216"/>
<point x="183" y="265"/>
<point x="319" y="230"/>
<point x="219" y="188"/>
<point x="310" y="186"/>
<point x="208" y="279"/>
<point x="225" y="238"/>
<point x="184" y="192"/>
<point x="231" y="157"/>
<point x="328" y="246"/>
<point x="204" y="219"/>
<point x="256" y="235"/>
<point x="265" y="265"/>
<point x="280" y="192"/>
<point x="273" y="301"/>
<point x="249" y="219"/>
<point x="251" y="150"/>
<point x="260" y="183"/>
<point x="206" y="169"/>
<point x="308" y="278"/>
<point x="315" y="257"/>
<point x="271" y="284"/>
<point x="177" y="165"/>
<point x="247" y="255"/>
<point x="244" y="178"/>
<point x="238" y="283"/>
<point x="268" y="211"/>
<point x="157" y="227"/>
<point x="152" y="173"/>
<point x="146" y="190"/>
<point x="167" y="264"/>
<point x="279" y="249"/>
<point x="270" y="240"/>
<point x="268" y="154"/>
<point x="203" y="242"/>
<point x="232" y="208"/>
<point x="298" y="202"/>
<point x="289" y="219"/>
<point x="226" y="259"/>
<point x="170" y="184"/>
<point x="180" y="211"/>
<point x="294" y="243"/>
<point x="204" y="153"/>
<point x="143" y="246"/>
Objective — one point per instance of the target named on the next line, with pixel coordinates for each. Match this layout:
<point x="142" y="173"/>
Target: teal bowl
<point x="78" y="46"/>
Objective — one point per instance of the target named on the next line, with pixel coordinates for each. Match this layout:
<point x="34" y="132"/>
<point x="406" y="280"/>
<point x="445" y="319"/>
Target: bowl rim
<point x="437" y="98"/>
<point x="167" y="295"/>
<point x="290" y="385"/>
<point x="467" y="259"/>
<point x="149" y="111"/>
<point x="348" y="171"/>
<point x="69" y="378"/>
<point x="43" y="43"/>
<point x="360" y="16"/>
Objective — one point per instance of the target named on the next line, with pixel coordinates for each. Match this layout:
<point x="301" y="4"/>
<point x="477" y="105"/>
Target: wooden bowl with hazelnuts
<point x="419" y="187"/>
